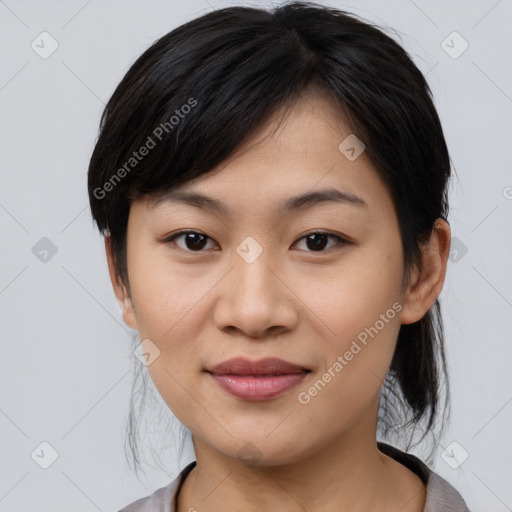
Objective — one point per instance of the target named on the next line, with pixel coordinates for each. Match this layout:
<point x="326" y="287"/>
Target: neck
<point x="348" y="474"/>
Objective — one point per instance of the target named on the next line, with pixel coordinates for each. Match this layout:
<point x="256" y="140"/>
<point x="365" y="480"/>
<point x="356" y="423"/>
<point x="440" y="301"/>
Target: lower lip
<point x="254" y="388"/>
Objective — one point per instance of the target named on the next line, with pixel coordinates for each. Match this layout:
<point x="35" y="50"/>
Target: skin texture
<point x="292" y="302"/>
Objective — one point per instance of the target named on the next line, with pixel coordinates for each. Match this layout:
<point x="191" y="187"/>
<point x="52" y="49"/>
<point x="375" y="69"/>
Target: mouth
<point x="270" y="366"/>
<point x="257" y="380"/>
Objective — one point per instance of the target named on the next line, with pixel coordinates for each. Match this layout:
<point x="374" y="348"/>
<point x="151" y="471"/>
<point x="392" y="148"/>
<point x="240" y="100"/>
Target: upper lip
<point x="267" y="366"/>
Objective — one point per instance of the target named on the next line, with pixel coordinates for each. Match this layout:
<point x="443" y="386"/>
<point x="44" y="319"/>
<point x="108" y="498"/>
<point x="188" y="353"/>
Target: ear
<point x="425" y="285"/>
<point x="122" y="294"/>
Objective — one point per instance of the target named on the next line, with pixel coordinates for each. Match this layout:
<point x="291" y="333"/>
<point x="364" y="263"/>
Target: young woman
<point x="272" y="189"/>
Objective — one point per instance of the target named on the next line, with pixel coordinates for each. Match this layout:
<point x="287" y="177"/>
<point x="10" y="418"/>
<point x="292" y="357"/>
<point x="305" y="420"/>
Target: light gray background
<point x="66" y="361"/>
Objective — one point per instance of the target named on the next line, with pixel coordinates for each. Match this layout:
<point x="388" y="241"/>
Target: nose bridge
<point x="253" y="298"/>
<point x="254" y="284"/>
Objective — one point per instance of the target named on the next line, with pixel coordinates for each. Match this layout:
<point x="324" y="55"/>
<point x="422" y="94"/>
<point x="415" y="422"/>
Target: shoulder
<point x="163" y="499"/>
<point x="159" y="501"/>
<point x="441" y="496"/>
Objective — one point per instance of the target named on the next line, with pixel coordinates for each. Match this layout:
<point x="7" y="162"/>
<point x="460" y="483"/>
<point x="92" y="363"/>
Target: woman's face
<point x="254" y="286"/>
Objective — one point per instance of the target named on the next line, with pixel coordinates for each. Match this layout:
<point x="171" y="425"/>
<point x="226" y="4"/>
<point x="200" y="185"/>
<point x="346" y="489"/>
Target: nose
<point x="256" y="300"/>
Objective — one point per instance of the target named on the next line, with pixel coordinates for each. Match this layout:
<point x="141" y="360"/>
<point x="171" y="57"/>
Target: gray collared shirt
<point x="441" y="496"/>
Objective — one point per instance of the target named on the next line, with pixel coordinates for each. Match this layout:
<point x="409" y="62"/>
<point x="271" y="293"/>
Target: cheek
<point x="165" y="295"/>
<point x="356" y="360"/>
<point x="169" y="313"/>
<point x="351" y="296"/>
<point x="171" y="377"/>
<point x="357" y="313"/>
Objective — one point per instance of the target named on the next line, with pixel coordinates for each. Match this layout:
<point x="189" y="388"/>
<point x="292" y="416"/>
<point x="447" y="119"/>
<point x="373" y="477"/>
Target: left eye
<point x="318" y="240"/>
<point x="196" y="241"/>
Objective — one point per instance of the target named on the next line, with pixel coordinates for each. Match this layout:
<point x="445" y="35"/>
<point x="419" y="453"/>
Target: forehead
<point x="298" y="157"/>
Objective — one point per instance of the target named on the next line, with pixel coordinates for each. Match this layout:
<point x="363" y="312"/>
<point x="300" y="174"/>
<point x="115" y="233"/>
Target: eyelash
<point x="341" y="241"/>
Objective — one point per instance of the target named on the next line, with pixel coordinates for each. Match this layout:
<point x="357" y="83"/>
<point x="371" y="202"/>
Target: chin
<point x="265" y="453"/>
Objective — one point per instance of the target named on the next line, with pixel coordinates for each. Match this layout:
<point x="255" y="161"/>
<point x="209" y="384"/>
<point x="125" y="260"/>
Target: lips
<point x="270" y="366"/>
<point x="257" y="380"/>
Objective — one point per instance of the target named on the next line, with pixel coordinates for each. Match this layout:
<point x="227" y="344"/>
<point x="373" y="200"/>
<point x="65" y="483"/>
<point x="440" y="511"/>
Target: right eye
<point x="193" y="241"/>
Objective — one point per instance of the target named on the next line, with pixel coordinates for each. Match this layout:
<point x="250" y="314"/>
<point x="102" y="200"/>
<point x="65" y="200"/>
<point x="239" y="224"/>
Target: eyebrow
<point x="301" y="202"/>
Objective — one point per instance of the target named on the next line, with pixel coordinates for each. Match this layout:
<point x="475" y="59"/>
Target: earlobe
<point x="122" y="294"/>
<point x="426" y="283"/>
